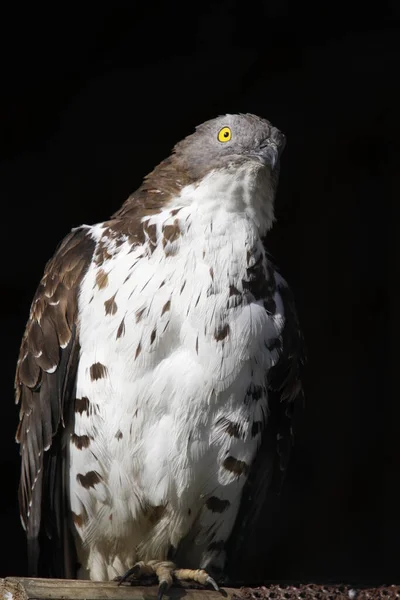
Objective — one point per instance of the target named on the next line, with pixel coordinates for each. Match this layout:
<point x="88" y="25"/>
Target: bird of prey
<point x="159" y="369"/>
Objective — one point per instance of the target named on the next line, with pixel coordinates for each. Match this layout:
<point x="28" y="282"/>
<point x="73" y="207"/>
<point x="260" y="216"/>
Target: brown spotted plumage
<point x="110" y="305"/>
<point x="97" y="371"/>
<point x="221" y="333"/>
<point x="239" y="467"/>
<point x="81" y="405"/>
<point x="80" y="441"/>
<point x="89" y="479"/>
<point x="216" y="504"/>
<point x="121" y="329"/>
<point x="166" y="307"/>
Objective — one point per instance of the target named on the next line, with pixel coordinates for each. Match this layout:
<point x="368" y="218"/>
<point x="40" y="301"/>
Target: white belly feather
<point x="167" y="359"/>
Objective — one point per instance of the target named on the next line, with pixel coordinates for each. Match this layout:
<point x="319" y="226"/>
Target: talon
<point x="162" y="588"/>
<point x="212" y="581"/>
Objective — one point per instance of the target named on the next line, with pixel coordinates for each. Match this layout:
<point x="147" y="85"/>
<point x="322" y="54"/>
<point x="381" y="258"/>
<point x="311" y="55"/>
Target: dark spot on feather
<point x="121" y="329"/>
<point x="119" y="435"/>
<point x="110" y="517"/>
<point x="204" y="253"/>
<point x="256" y="428"/>
<point x="198" y="299"/>
<point x="197" y="345"/>
<point x="89" y="480"/>
<point x="212" y="273"/>
<point x="183" y="286"/>
<point x="216" y="546"/>
<point x="161" y="284"/>
<point x="270" y="305"/>
<point x="217" y="505"/>
<point x="153" y="335"/>
<point x="154" y="513"/>
<point x="254" y="393"/>
<point x="110" y="305"/>
<point x="138" y="350"/>
<point x="127" y="277"/>
<point x="166" y="307"/>
<point x="256" y="286"/>
<point x="231" y="428"/>
<point x="189" y="511"/>
<point x="256" y="281"/>
<point x="101" y="279"/>
<point x="139" y="314"/>
<point x="77" y="519"/>
<point x="274" y="344"/>
<point x="80" y="441"/>
<point x="221" y="333"/>
<point x="166" y="325"/>
<point x="239" y="467"/>
<point x="233" y="291"/>
<point x="97" y="371"/>
<point x="175" y="211"/>
<point x="82" y="404"/>
<point x="171" y="232"/>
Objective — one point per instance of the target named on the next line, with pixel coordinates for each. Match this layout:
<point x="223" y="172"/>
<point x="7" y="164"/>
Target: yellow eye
<point x="225" y="134"/>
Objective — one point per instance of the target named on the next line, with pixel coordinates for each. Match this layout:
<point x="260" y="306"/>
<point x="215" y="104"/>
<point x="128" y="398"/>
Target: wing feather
<point x="44" y="385"/>
<point x="261" y="492"/>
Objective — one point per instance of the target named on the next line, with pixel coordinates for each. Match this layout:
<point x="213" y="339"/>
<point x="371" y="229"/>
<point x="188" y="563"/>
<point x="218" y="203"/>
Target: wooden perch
<point x="25" y="588"/>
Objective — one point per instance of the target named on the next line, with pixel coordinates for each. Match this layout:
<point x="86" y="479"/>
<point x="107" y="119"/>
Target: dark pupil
<point x="226" y="133"/>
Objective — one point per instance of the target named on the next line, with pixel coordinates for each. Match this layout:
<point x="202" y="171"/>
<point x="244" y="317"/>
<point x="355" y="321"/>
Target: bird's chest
<point x="174" y="338"/>
<point x="200" y="289"/>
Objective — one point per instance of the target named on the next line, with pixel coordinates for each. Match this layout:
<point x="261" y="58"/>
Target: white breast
<point x="168" y="356"/>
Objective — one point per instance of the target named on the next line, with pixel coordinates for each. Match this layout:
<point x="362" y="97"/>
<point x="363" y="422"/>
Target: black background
<point x="91" y="101"/>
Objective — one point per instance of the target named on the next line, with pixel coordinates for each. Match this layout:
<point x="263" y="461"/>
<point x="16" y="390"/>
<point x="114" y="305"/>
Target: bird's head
<point x="230" y="141"/>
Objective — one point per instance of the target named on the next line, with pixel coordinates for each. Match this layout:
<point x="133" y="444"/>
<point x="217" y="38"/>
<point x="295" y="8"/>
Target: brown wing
<point x="257" y="513"/>
<point x="44" y="385"/>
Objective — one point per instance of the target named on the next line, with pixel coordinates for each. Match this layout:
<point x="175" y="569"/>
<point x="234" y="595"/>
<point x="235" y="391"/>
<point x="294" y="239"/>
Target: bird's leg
<point x="166" y="571"/>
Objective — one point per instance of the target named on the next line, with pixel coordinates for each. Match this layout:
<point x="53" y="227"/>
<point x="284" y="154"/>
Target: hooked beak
<point x="271" y="149"/>
<point x="268" y="154"/>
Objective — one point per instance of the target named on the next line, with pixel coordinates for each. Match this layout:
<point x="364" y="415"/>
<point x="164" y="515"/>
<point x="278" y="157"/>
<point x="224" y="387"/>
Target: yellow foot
<point x="166" y="572"/>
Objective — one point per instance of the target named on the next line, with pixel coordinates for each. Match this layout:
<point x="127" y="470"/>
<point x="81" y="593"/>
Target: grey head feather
<point x="250" y="138"/>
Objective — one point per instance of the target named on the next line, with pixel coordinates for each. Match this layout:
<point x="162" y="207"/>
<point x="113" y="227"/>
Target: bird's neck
<point x="225" y="199"/>
<point x="244" y="193"/>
